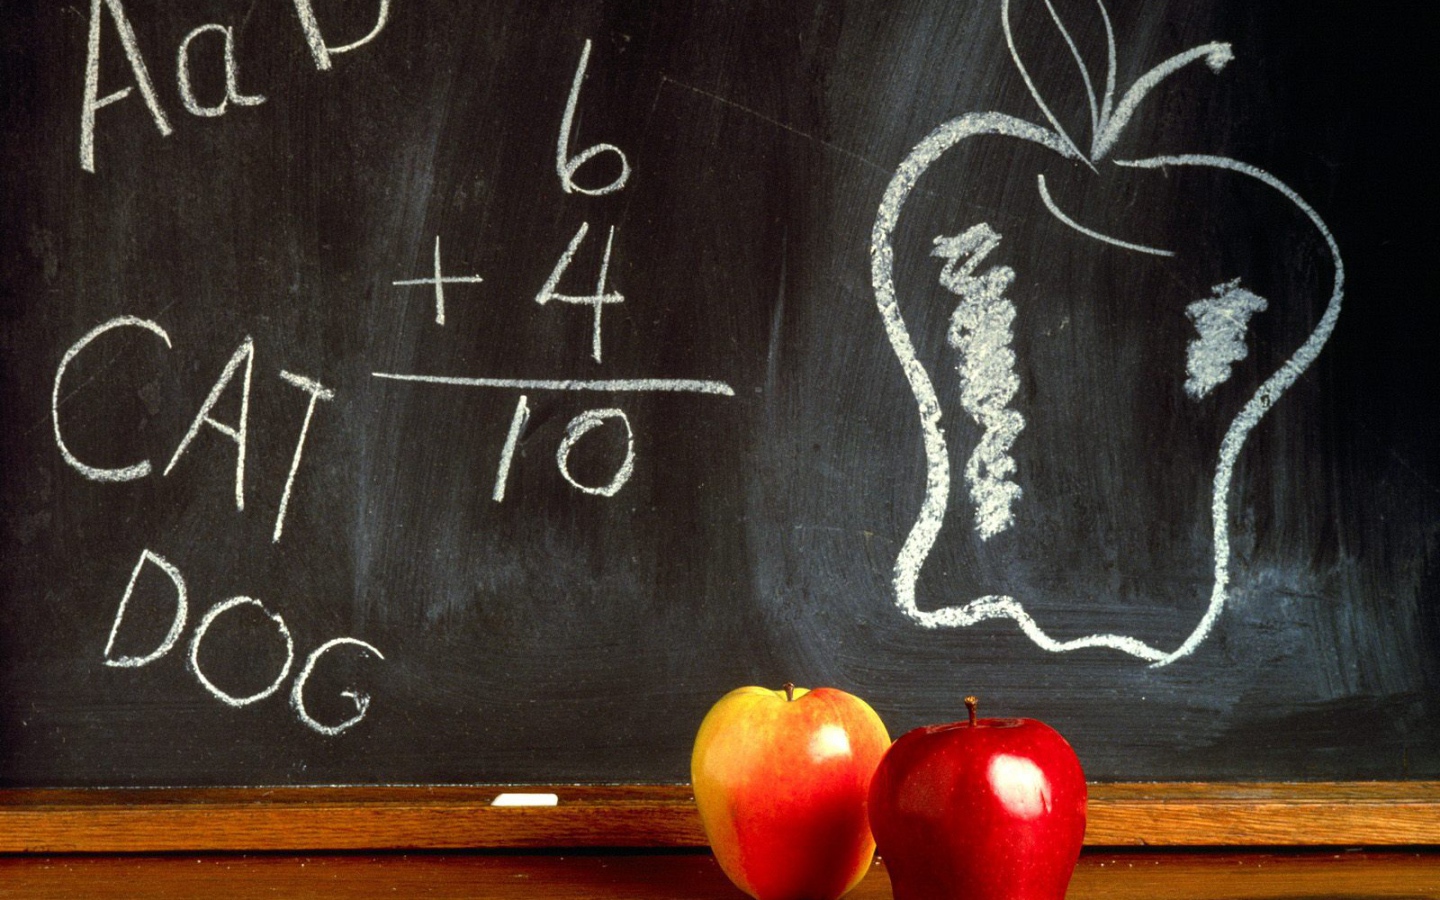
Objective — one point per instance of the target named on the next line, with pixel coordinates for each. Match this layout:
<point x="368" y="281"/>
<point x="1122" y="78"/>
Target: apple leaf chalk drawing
<point x="980" y="328"/>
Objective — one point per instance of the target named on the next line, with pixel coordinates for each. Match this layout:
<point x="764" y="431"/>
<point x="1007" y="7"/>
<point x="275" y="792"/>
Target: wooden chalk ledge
<point x="313" y="819"/>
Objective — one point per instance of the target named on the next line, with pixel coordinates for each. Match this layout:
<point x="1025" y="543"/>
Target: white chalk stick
<point x="526" y="800"/>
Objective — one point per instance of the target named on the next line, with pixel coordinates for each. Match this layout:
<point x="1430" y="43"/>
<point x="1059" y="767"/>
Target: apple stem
<point x="970" y="704"/>
<point x="789" y="690"/>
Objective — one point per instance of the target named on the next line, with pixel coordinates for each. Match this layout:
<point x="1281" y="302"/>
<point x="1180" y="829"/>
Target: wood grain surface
<point x="1133" y="875"/>
<point x="297" y="820"/>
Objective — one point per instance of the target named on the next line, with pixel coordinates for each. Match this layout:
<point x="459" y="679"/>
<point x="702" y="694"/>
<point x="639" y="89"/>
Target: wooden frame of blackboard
<point x="315" y="819"/>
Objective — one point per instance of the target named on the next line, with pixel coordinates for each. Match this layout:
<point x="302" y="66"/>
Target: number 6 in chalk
<point x="565" y="164"/>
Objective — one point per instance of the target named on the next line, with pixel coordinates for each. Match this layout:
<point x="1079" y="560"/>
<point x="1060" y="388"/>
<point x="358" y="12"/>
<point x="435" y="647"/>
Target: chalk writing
<point x="207" y="622"/>
<point x="317" y="392"/>
<point x="567" y="165"/>
<point x="612" y="385"/>
<point x="238" y="372"/>
<point x="439" y="280"/>
<point x="92" y="100"/>
<point x="97" y="473"/>
<point x="244" y="354"/>
<point x="203" y="628"/>
<point x="597" y="300"/>
<point x="581" y="425"/>
<point x="232" y="80"/>
<point x="517" y="425"/>
<point x="177" y="621"/>
<point x="322" y="52"/>
<point x="361" y="700"/>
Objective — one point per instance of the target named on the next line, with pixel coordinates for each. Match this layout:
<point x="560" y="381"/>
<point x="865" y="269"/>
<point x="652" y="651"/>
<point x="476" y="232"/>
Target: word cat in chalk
<point x="239" y="370"/>
<point x="1067" y="409"/>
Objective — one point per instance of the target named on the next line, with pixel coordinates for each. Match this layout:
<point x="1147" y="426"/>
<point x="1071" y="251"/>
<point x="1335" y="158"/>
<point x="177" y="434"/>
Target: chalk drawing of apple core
<point x="983" y="318"/>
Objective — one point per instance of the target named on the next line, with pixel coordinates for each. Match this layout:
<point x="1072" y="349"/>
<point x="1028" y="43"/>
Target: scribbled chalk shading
<point x="1222" y="321"/>
<point x="980" y="332"/>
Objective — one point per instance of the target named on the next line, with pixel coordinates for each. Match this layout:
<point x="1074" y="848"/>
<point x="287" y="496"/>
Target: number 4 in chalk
<point x="597" y="300"/>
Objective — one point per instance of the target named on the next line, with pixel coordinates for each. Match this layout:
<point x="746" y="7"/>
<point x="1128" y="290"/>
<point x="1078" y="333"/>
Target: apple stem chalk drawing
<point x="1221" y="322"/>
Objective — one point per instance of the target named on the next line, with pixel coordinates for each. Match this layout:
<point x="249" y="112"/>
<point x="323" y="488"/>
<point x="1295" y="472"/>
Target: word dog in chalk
<point x="211" y="621"/>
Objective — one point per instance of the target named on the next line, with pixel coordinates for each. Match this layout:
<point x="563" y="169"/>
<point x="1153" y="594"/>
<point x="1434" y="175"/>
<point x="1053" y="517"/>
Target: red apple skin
<point x="782" y="787"/>
<point x="993" y="810"/>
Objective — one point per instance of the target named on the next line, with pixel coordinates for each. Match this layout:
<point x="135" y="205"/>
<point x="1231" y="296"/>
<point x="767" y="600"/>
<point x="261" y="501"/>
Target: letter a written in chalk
<point x="93" y="101"/>
<point x="245" y="354"/>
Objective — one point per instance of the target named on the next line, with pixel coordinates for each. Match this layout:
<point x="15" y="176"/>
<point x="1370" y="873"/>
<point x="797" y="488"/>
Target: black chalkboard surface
<point x="473" y="392"/>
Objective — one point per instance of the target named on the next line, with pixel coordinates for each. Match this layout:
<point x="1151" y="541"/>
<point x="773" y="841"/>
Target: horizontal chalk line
<point x="673" y="385"/>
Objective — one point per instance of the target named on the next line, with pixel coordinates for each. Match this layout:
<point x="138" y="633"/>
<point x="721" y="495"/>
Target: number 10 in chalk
<point x="577" y="428"/>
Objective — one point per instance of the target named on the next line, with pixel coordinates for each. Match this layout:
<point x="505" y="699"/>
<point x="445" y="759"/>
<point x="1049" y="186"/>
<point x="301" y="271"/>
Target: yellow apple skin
<point x="782" y="786"/>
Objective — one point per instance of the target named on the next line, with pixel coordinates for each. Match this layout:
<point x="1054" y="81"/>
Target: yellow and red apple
<point x="782" y="780"/>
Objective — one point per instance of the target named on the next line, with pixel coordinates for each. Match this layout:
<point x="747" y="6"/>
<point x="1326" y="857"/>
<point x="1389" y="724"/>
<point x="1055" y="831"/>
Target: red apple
<point x="782" y="780"/>
<point x="989" y="809"/>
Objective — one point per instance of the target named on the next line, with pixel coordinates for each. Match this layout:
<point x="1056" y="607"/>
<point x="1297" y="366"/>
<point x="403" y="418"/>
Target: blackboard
<point x="504" y="382"/>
